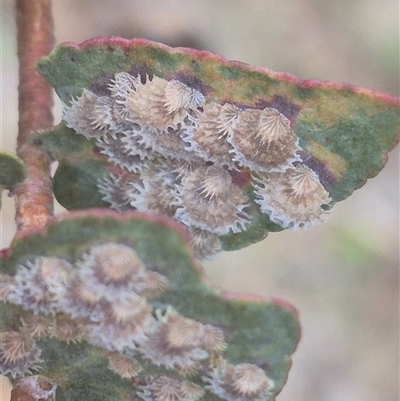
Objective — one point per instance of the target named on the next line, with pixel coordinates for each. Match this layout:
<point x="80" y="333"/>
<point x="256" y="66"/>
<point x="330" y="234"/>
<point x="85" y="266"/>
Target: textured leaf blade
<point x="264" y="333"/>
<point x="81" y="165"/>
<point x="345" y="132"/>
<point x="12" y="171"/>
<point x="62" y="143"/>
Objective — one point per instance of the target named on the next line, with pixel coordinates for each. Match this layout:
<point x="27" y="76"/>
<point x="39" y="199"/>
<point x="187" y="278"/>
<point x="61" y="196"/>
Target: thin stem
<point x="34" y="197"/>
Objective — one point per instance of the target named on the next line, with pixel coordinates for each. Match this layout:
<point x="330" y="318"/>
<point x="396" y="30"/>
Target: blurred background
<point x="343" y="276"/>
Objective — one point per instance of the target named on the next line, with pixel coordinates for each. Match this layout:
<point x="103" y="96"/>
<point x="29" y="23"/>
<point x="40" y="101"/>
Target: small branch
<point x="34" y="197"/>
<point x="33" y="388"/>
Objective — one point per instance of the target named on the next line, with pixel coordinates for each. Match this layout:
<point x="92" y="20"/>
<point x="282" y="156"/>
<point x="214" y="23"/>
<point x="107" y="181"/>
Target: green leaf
<point x="344" y="132"/>
<point x="12" y="171"/>
<point x="63" y="143"/>
<point x="257" y="331"/>
<point x="75" y="184"/>
<point x="80" y="167"/>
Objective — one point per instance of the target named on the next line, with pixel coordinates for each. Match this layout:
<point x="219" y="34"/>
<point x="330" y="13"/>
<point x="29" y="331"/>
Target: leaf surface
<point x="12" y="171"/>
<point x="257" y="331"/>
<point x="344" y="132"/>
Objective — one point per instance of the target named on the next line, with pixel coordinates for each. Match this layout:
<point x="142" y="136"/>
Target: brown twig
<point x="34" y="197"/>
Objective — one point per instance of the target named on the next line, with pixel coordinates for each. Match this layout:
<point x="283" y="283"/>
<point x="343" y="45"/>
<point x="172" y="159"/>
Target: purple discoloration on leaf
<point x="289" y="109"/>
<point x="328" y="180"/>
<point x="268" y="338"/>
<point x="240" y="178"/>
<point x="193" y="82"/>
<point x="330" y="120"/>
